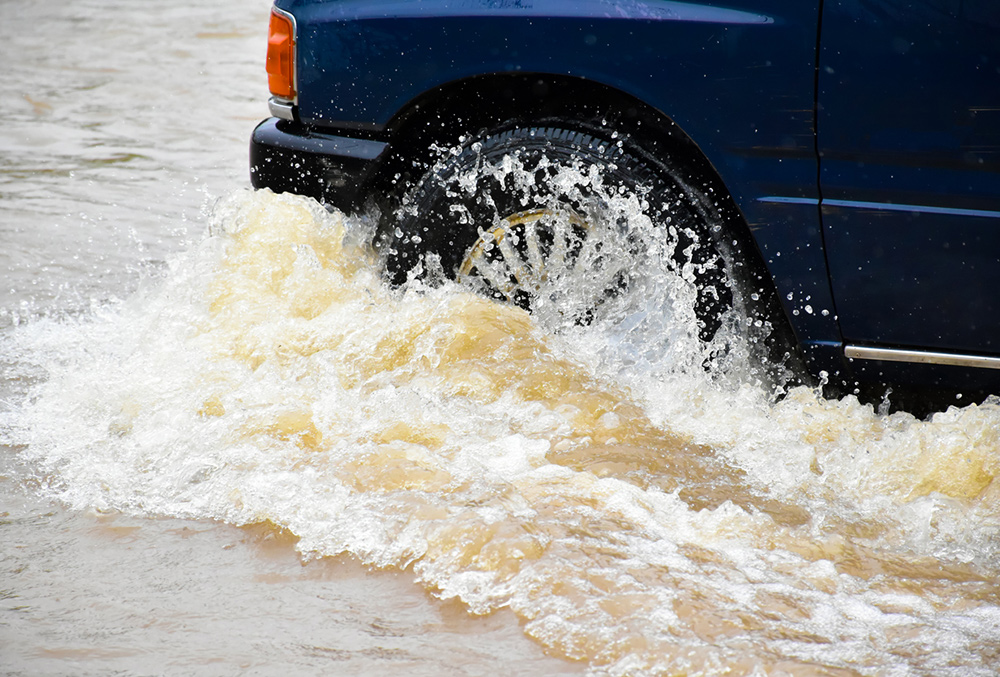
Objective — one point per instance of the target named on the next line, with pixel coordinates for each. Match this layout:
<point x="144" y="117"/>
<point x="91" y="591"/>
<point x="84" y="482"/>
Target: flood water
<point x="228" y="447"/>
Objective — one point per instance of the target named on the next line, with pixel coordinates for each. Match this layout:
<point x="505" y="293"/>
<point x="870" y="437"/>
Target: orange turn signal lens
<point x="281" y="56"/>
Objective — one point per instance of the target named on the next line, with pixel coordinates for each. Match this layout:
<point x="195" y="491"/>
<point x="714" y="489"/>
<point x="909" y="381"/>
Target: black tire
<point x="462" y="201"/>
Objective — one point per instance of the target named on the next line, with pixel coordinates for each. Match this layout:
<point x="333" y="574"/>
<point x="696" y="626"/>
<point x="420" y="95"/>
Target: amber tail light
<point x="281" y="56"/>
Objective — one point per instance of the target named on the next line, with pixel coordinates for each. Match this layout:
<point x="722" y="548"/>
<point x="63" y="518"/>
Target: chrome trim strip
<point x="881" y="206"/>
<point x="281" y="108"/>
<point x="789" y="200"/>
<point x="923" y="209"/>
<point x="921" y="357"/>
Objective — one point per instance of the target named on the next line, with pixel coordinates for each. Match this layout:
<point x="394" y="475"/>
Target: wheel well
<point x="490" y="102"/>
<point x="452" y="112"/>
<point x="448" y="114"/>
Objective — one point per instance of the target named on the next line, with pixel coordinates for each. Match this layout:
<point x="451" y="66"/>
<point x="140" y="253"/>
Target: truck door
<point x="909" y="140"/>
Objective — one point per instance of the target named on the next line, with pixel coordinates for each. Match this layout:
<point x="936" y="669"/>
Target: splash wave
<point x="646" y="518"/>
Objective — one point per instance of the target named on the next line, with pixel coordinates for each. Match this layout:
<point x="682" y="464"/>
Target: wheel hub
<point x="550" y="262"/>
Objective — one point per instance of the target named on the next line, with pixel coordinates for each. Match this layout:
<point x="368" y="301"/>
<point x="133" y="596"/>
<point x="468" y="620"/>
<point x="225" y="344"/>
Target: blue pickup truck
<point x="835" y="161"/>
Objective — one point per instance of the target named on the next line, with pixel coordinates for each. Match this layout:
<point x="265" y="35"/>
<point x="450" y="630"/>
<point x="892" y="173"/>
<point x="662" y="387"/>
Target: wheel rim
<point x="552" y="263"/>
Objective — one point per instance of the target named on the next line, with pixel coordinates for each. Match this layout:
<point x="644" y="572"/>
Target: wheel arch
<point x="445" y="116"/>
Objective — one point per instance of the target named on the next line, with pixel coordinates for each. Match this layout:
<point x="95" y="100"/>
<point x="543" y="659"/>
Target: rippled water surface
<point x="229" y="446"/>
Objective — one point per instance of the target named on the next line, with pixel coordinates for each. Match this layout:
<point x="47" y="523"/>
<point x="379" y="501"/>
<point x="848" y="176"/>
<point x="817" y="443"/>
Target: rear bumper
<point x="289" y="158"/>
